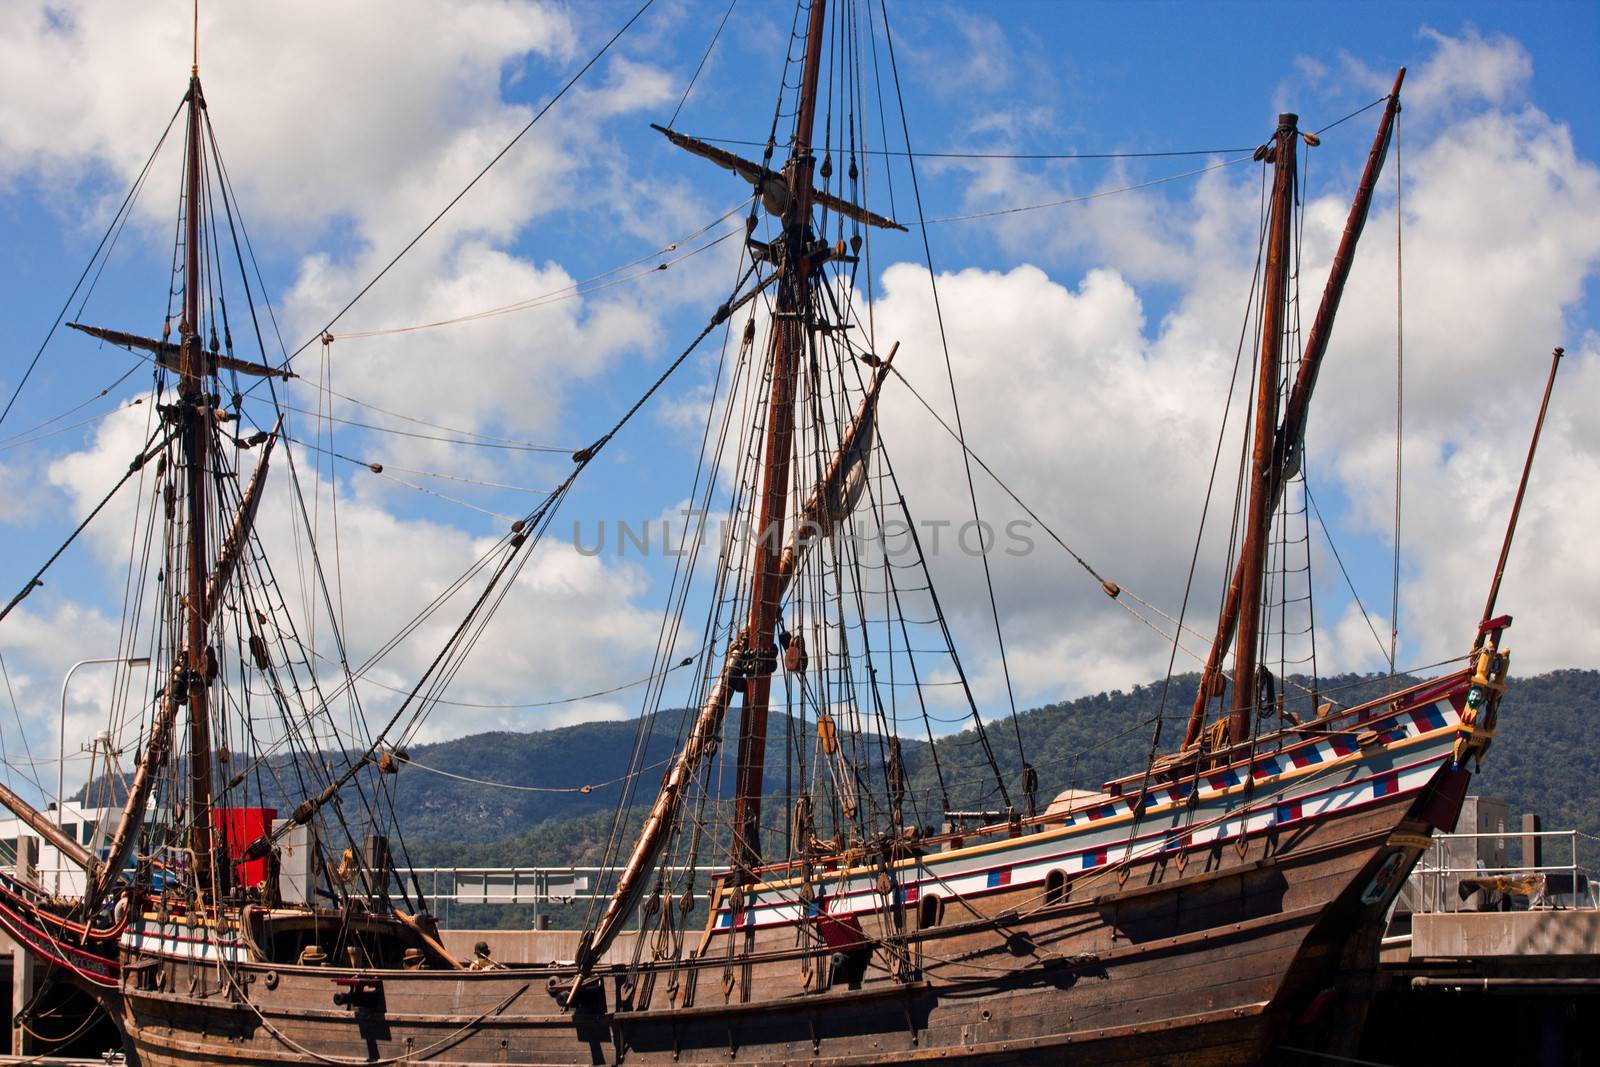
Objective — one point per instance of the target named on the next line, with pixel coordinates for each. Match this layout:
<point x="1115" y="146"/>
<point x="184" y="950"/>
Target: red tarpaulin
<point x="235" y="829"/>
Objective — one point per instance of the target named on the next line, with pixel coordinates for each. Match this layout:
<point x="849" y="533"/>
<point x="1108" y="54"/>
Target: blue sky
<point x="1091" y="341"/>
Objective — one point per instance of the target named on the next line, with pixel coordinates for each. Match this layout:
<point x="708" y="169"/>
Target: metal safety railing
<point x="514" y="885"/>
<point x="1442" y="882"/>
<point x="455" y="885"/>
<point x="534" y="886"/>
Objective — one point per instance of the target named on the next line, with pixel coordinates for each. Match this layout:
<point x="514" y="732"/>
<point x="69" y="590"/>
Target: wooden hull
<point x="1186" y="950"/>
<point x="1105" y="979"/>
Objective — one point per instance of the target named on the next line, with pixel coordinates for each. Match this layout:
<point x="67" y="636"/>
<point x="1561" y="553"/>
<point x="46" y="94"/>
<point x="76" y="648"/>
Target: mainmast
<point x="752" y="656"/>
<point x="194" y="415"/>
<point x="789" y="337"/>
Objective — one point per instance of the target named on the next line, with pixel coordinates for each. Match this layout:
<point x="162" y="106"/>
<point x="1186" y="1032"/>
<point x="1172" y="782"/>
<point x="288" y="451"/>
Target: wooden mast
<point x="1242" y="612"/>
<point x="1258" y="516"/>
<point x="1522" y="490"/>
<point x="194" y="414"/>
<point x="789" y="337"/>
<point x="1286" y="458"/>
<point x="748" y="669"/>
<point x="826" y="496"/>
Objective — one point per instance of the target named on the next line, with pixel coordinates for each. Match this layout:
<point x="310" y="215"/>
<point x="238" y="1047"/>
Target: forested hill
<point x="1546" y="758"/>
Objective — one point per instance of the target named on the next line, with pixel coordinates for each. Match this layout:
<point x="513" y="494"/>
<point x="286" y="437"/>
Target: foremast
<point x="1276" y="449"/>
<point x="191" y="424"/>
<point x="194" y="419"/>
<point x="194" y="667"/>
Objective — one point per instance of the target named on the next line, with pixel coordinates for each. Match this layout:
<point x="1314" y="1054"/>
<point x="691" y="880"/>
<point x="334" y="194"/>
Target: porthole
<point x="930" y="911"/>
<point x="1055" y="887"/>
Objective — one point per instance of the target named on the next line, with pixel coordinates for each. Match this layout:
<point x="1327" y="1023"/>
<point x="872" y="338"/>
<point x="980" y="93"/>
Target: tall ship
<point x="1222" y="900"/>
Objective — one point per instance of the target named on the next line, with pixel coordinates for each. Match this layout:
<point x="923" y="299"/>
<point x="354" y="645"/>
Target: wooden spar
<point x="166" y="354"/>
<point x="42" y="825"/>
<point x="707" y="728"/>
<point x="763" y="179"/>
<point x="826" y="493"/>
<point x="156" y="747"/>
<point x="1522" y="489"/>
<point x="702" y="741"/>
<point x="194" y="411"/>
<point x="789" y="338"/>
<point x="1258" y="513"/>
<point x="243" y="520"/>
<point x="1292" y="434"/>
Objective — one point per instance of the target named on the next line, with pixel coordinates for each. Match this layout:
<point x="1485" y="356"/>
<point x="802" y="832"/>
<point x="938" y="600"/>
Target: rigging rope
<point x="22" y="440"/>
<point x="464" y="635"/>
<point x="1358" y="111"/>
<point x="1382" y="652"/>
<point x="687" y="89"/>
<point x="897" y="153"/>
<point x="944" y="341"/>
<point x="329" y="391"/>
<point x="16" y="714"/>
<point x="380" y="468"/>
<point x="1088" y="196"/>
<point x="15" y="440"/>
<point x="411" y="761"/>
<point x="502" y="443"/>
<point x="110" y="229"/>
<point x="568" y="292"/>
<point x="144" y="455"/>
<point x="1111" y="588"/>
<point x="1399" y="395"/>
<point x="361" y="676"/>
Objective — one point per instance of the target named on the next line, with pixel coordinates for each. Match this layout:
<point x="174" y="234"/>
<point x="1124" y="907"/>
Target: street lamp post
<point x="61" y="765"/>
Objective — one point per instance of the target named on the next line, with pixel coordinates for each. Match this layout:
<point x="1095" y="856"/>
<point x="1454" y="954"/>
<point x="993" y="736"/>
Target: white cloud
<point x="1105" y="423"/>
<point x="569" y="626"/>
<point x="353" y="136"/>
<point x="41" y="641"/>
<point x="1469" y="68"/>
<point x="1100" y="412"/>
<point x="988" y="58"/>
<point x="1092" y="422"/>
<point x="316" y="106"/>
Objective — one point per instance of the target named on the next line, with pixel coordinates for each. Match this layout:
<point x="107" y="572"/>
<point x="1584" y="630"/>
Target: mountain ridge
<point x="1546" y="758"/>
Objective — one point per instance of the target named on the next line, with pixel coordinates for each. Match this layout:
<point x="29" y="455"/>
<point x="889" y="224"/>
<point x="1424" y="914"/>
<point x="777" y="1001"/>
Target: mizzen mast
<point x="1241" y="612"/>
<point x="789" y="336"/>
<point x="1283" y="443"/>
<point x="1258" y="514"/>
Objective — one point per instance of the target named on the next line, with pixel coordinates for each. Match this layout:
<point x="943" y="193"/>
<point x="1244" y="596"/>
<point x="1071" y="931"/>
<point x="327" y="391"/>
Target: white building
<point x="41" y="863"/>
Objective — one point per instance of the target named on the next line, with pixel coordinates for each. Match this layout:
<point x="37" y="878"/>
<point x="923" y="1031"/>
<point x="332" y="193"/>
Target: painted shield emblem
<point x="1385" y="879"/>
